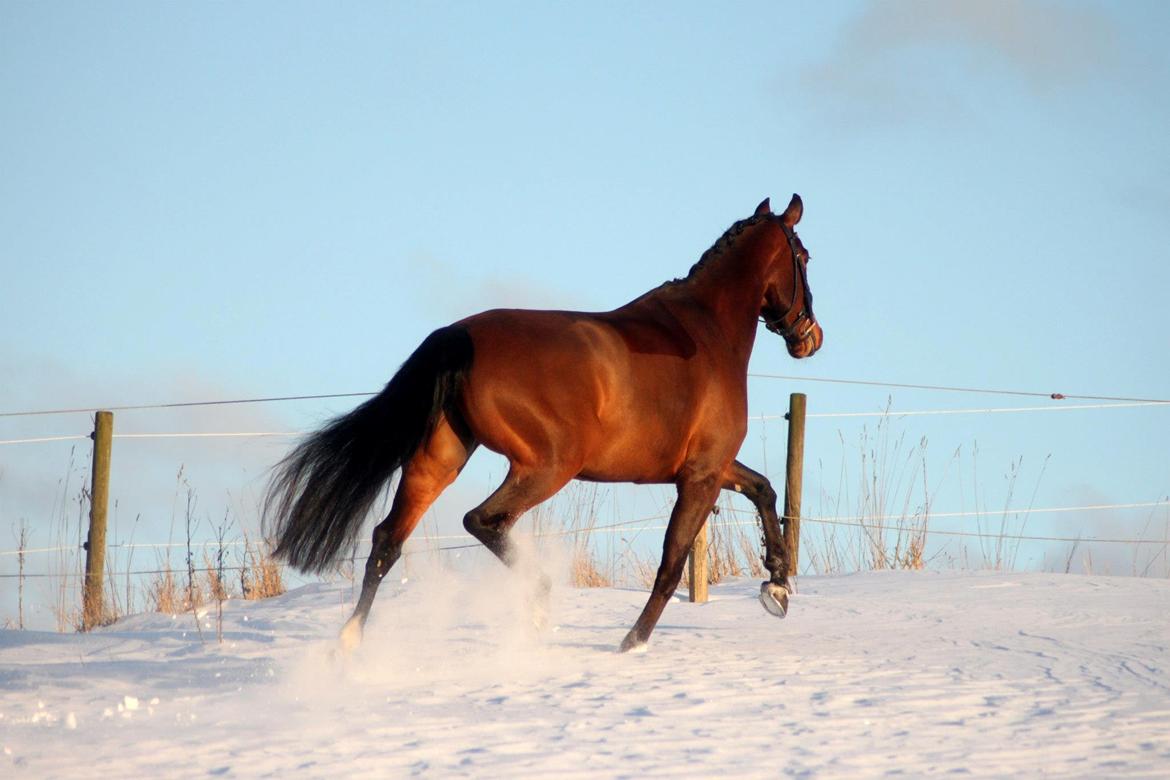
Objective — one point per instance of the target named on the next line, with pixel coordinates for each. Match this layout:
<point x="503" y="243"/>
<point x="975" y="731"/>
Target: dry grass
<point x="891" y="511"/>
<point x="214" y="580"/>
<point x="579" y="509"/>
<point x="266" y="579"/>
<point x="261" y="576"/>
<point x="891" y="508"/>
<point x="163" y="592"/>
<point x="571" y="516"/>
<point x="732" y="549"/>
<point x="22" y="545"/>
<point x="645" y="570"/>
<point x="68" y="565"/>
<point x="585" y="573"/>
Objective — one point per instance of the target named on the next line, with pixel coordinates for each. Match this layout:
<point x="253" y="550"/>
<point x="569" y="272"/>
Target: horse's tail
<point x="321" y="492"/>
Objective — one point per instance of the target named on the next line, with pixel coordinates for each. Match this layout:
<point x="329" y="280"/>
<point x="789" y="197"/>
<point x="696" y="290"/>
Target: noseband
<point x="792" y="331"/>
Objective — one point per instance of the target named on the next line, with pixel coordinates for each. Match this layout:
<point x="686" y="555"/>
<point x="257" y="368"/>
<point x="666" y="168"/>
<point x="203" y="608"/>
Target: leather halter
<point x="789" y="329"/>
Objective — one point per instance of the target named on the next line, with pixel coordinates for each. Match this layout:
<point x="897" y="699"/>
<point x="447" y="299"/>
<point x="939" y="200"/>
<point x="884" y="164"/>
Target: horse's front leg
<point x="757" y="488"/>
<point x="696" y="496"/>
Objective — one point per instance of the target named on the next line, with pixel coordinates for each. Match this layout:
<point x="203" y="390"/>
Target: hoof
<point x="351" y="636"/>
<point x="632" y="644"/>
<point x="774" y="598"/>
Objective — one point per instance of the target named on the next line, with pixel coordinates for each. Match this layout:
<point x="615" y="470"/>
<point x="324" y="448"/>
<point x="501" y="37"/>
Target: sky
<point x="213" y="201"/>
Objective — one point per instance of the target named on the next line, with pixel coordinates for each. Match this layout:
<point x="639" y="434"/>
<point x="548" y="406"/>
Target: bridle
<point x="792" y="331"/>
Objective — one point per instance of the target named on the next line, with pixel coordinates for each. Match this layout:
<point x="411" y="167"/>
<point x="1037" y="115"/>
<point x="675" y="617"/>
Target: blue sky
<point x="205" y="201"/>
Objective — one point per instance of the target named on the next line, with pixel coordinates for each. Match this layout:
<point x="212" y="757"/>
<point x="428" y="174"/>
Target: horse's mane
<point x="721" y="245"/>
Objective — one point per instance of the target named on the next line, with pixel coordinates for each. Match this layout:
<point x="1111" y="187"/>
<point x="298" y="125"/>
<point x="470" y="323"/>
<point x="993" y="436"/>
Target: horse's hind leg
<point x="492" y="521"/>
<point x="432" y="468"/>
<point x="757" y="488"/>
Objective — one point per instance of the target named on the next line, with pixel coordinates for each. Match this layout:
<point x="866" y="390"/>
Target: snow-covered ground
<point x="873" y="674"/>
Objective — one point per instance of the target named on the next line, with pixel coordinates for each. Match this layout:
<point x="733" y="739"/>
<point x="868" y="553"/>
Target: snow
<point x="881" y="673"/>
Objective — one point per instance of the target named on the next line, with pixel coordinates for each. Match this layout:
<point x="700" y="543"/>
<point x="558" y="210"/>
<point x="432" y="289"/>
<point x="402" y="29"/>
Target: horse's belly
<point x="644" y="454"/>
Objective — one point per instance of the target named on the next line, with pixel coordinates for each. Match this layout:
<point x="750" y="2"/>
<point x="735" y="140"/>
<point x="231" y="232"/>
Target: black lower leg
<point x="695" y="499"/>
<point x="493" y="533"/>
<point x="665" y="583"/>
<point x="759" y="491"/>
<point x="491" y="522"/>
<point x="774" y="592"/>
<point x="383" y="556"/>
<point x="775" y="556"/>
<point x="490" y="531"/>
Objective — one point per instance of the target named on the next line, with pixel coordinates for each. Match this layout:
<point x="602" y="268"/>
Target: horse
<point x="653" y="392"/>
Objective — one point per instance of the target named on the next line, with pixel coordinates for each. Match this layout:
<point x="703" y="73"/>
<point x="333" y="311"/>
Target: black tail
<point x="322" y="491"/>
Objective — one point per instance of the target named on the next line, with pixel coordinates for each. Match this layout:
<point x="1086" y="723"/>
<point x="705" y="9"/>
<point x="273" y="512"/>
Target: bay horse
<point x="652" y="392"/>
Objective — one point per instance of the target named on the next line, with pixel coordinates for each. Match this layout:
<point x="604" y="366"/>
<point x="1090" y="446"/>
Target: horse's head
<point x="787" y="305"/>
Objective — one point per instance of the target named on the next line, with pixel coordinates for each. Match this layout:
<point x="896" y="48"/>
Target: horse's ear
<point x="792" y="214"/>
<point x="765" y="207"/>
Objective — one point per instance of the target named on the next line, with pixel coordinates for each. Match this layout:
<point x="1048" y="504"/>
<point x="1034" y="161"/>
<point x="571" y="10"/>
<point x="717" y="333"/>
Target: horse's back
<point x="616" y="397"/>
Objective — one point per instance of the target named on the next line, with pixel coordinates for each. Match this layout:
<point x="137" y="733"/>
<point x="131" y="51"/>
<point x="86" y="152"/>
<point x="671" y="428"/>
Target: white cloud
<point x="876" y="69"/>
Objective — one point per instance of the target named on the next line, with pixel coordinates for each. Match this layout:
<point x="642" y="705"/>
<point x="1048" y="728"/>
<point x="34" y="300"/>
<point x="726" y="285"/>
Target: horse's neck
<point x="715" y="299"/>
<point x="732" y="288"/>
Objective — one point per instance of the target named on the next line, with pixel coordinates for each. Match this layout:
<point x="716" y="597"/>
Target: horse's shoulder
<point x="650" y="328"/>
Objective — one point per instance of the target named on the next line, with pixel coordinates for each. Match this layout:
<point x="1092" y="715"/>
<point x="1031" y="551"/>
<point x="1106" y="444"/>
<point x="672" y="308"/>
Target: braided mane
<point x="722" y="244"/>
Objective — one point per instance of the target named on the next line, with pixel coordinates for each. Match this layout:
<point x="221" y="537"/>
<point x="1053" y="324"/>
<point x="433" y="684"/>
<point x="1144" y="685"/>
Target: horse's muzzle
<point x="807" y="342"/>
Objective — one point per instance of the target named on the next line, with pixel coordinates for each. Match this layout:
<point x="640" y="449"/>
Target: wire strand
<point x="184" y="404"/>
<point x="180" y="435"/>
<point x="39" y="439"/>
<point x="856" y="521"/>
<point x="754" y="418"/>
<point x="932" y="515"/>
<point x="959" y="389"/>
<point x="207" y="435"/>
<point x="718" y="524"/>
<point x="989" y="410"/>
<point x="754" y="375"/>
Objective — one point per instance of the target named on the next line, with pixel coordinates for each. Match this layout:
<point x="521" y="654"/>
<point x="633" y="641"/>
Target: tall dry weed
<point x="735" y="544"/>
<point x="261" y="576"/>
<point x="888" y="501"/>
<point x="572" y="516"/>
<point x="163" y="592"/>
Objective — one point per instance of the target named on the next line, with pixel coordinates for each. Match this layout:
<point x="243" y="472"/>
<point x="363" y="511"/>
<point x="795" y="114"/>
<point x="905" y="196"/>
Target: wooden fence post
<point x="794" y="478"/>
<point x="698" y="568"/>
<point x="93" y="603"/>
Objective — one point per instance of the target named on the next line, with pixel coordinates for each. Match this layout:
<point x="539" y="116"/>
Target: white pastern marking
<point x="351" y="635"/>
